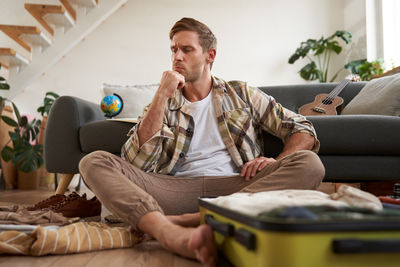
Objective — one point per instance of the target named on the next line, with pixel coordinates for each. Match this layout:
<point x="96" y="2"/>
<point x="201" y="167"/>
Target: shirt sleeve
<point x="145" y="156"/>
<point x="277" y="120"/>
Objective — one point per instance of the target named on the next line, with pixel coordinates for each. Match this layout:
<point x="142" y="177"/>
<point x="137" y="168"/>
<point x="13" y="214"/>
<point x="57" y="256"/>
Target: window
<point x="391" y="32"/>
<point x="383" y="31"/>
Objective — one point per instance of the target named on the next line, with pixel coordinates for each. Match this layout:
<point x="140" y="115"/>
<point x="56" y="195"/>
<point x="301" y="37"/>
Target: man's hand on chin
<point x="170" y="82"/>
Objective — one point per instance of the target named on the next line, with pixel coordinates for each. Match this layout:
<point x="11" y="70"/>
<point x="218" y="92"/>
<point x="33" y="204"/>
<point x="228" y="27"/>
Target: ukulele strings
<point x="328" y="100"/>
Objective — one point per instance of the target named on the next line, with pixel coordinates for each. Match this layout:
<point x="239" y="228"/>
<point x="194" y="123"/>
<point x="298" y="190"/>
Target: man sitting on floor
<point x="200" y="136"/>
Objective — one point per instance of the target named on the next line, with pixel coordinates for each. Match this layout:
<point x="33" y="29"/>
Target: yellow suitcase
<point x="247" y="241"/>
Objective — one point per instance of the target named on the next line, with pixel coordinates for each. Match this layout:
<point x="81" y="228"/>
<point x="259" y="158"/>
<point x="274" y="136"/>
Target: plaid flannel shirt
<point x="243" y="112"/>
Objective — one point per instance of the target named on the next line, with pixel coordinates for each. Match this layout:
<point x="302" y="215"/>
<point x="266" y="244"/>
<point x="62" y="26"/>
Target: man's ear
<point x="211" y="53"/>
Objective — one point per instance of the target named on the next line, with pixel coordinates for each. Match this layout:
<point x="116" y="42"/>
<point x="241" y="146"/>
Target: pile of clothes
<point x="59" y="225"/>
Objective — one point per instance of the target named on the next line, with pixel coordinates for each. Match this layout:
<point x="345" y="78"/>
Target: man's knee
<point x="311" y="167"/>
<point x="89" y="163"/>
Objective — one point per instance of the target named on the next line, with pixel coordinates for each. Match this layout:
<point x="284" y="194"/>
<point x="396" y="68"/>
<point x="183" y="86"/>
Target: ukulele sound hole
<point x="327" y="102"/>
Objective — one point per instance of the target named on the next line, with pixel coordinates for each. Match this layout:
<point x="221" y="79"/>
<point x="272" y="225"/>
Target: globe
<point x="111" y="105"/>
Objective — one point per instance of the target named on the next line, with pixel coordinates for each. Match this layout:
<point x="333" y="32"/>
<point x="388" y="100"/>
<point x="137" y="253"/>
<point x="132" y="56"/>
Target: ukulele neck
<point x="338" y="89"/>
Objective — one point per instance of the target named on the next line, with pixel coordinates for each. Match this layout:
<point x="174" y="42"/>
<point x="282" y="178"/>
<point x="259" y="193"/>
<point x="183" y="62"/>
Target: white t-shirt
<point x="207" y="155"/>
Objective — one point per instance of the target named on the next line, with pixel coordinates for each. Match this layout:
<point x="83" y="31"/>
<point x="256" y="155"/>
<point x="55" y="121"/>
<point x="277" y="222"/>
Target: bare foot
<point x="186" y="220"/>
<point x="203" y="245"/>
<point x="196" y="243"/>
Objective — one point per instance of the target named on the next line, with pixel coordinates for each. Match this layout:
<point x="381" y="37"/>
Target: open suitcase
<point x="247" y="241"/>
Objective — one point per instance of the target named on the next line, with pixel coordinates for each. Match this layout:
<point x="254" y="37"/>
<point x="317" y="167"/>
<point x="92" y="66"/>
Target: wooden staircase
<point x="56" y="15"/>
<point x="26" y="36"/>
<point x="10" y="58"/>
<point x="62" y="26"/>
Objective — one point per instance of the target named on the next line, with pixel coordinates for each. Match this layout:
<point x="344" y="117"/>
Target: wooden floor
<point x="145" y="254"/>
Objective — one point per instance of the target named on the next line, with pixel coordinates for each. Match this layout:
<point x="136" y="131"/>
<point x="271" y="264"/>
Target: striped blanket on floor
<point x="73" y="238"/>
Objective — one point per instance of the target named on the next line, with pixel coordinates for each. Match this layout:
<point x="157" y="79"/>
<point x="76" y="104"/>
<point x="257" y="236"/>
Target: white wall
<point x="255" y="40"/>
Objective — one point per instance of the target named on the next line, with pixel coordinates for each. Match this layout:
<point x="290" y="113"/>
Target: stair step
<point x="53" y="14"/>
<point x="10" y="58"/>
<point x="70" y="9"/>
<point x="86" y="3"/>
<point x="26" y="36"/>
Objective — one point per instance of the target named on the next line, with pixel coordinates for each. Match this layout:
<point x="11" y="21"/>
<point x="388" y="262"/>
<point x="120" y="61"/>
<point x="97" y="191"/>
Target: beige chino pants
<point x="130" y="193"/>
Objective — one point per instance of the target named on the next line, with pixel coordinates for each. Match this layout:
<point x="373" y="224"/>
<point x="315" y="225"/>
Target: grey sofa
<point x="353" y="147"/>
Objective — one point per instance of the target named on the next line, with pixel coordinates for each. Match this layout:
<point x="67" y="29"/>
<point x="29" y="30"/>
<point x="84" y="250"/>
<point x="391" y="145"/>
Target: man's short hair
<point x="206" y="37"/>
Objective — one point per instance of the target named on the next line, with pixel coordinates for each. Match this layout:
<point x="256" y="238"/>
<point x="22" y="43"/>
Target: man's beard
<point x="191" y="77"/>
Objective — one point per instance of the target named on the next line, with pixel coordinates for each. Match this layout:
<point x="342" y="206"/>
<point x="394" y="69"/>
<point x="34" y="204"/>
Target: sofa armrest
<point x="62" y="149"/>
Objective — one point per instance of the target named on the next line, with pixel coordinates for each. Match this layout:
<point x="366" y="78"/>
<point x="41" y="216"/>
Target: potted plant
<point x="366" y="69"/>
<point x="319" y="53"/>
<point x="23" y="149"/>
<point x="48" y="101"/>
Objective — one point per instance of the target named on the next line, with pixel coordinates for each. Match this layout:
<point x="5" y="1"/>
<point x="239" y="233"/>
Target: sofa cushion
<point x="134" y="97"/>
<point x="379" y="96"/>
<point x="358" y="134"/>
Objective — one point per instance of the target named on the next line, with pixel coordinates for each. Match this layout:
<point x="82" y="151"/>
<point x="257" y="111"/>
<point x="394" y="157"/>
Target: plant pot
<point x="28" y="180"/>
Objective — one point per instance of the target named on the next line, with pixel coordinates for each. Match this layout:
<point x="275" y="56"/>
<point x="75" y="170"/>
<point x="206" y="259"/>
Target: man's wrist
<point x="160" y="99"/>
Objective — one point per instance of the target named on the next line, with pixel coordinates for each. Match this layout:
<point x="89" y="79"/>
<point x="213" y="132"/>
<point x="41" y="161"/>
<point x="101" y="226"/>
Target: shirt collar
<point x="178" y="100"/>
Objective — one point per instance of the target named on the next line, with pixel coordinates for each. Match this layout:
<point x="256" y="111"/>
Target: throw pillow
<point x="379" y="96"/>
<point x="135" y="97"/>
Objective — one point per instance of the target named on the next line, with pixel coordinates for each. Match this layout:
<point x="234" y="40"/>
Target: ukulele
<point x="328" y="104"/>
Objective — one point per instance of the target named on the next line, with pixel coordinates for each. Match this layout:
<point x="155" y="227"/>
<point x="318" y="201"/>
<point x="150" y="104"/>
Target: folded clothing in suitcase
<point x="351" y="230"/>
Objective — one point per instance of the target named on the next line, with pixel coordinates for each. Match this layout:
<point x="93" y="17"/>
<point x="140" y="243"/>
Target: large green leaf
<point x="48" y="100"/>
<point x="17" y="114"/>
<point x="9" y="121"/>
<point x="319" y="50"/>
<point x="310" y="72"/>
<point x="47" y="103"/>
<point x="23" y="121"/>
<point x="293" y="58"/>
<point x="344" y="35"/>
<point x="47" y="109"/>
<point x="354" y="66"/>
<point x="4" y="86"/>
<point x="14" y="136"/>
<point x="30" y="158"/>
<point x="334" y="46"/>
<point x="303" y="50"/>
<point x="7" y="153"/>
